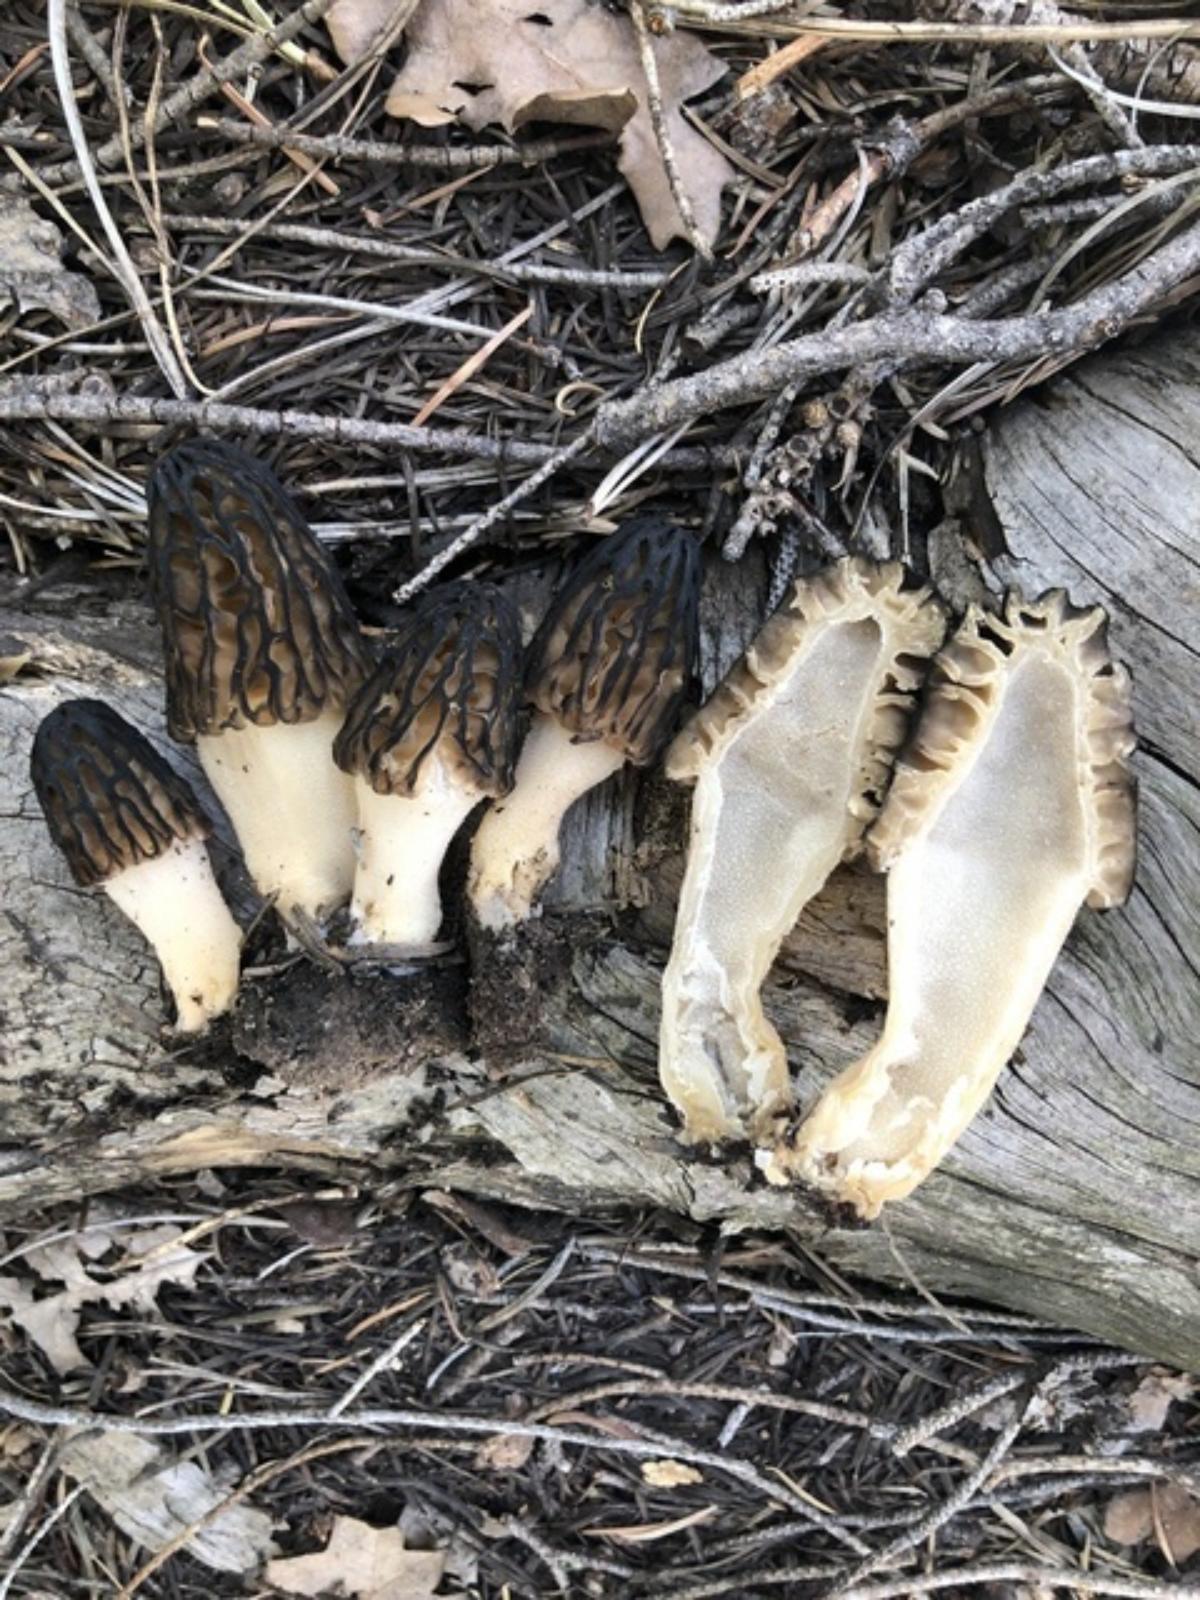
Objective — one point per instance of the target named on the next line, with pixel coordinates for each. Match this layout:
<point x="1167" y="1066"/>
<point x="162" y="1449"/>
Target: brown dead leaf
<point x="482" y="1218"/>
<point x="354" y="25"/>
<point x="1167" y="1510"/>
<point x="51" y="1321"/>
<point x="504" y="1452"/>
<point x="1154" y="1397"/>
<point x="362" y="1562"/>
<point x="670" y="1474"/>
<point x="32" y="275"/>
<point x="514" y="62"/>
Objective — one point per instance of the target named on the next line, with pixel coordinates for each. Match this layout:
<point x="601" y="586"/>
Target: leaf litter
<point x="362" y="1562"/>
<point x="33" y="276"/>
<point x="147" y="1259"/>
<point x="514" y="62"/>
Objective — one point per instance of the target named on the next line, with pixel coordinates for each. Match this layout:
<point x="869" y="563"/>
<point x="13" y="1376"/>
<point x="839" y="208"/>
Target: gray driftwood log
<point x="1075" y="1196"/>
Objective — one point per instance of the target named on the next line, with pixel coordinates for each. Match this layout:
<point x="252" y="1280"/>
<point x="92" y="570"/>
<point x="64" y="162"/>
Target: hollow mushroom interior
<point x="788" y="759"/>
<point x="1013" y="807"/>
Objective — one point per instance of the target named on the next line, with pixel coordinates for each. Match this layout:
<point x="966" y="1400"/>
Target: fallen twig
<point x="435" y="158"/>
<point x="904" y="337"/>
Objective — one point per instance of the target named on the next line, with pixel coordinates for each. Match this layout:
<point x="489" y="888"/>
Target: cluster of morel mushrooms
<point x="1008" y="805"/>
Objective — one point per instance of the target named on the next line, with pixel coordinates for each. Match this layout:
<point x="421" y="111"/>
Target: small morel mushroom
<point x="1014" y="805"/>
<point x="126" y="821"/>
<point x="607" y="673"/>
<point x="262" y="656"/>
<point x="789" y="759"/>
<point x="431" y="733"/>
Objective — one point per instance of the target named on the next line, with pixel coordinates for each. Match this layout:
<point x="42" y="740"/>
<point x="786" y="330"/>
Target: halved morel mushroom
<point x="1014" y="806"/>
<point x="128" y="822"/>
<point x="789" y="759"/>
<point x="608" y="670"/>
<point x="262" y="656"/>
<point x="431" y="733"/>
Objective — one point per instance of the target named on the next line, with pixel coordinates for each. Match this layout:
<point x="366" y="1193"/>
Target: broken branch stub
<point x="1013" y="807"/>
<point x="789" y="759"/>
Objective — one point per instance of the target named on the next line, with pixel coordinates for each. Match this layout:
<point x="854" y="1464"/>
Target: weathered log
<point x="1076" y="1195"/>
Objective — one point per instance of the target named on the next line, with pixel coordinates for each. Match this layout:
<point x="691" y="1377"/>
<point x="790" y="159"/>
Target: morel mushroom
<point x="1014" y="806"/>
<point x="607" y="673"/>
<point x="789" y="759"/>
<point x="127" y="821"/>
<point x="431" y="733"/>
<point x="262" y="656"/>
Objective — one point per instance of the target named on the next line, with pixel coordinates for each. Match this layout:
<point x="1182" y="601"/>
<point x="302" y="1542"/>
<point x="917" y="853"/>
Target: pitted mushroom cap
<point x="109" y="798"/>
<point x="613" y="657"/>
<point x="256" y="625"/>
<point x="450" y="687"/>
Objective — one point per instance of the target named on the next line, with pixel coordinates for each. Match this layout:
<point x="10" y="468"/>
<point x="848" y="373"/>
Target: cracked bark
<point x="1075" y="1195"/>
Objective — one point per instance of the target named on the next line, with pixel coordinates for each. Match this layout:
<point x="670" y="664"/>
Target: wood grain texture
<point x="1076" y="1195"/>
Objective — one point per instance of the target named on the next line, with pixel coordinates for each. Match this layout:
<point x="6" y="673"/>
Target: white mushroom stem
<point x="175" y="902"/>
<point x="401" y="842"/>
<point x="293" y="811"/>
<point x="515" y="850"/>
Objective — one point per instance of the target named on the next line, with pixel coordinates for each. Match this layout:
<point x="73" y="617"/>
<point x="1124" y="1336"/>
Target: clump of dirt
<point x="515" y="977"/>
<point x="338" y="1029"/>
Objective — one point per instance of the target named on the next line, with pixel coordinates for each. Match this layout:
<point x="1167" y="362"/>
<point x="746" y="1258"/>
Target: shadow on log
<point x="1076" y="1195"/>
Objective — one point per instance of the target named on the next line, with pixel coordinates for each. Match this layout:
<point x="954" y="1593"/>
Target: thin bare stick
<point x="50" y="400"/>
<point x="658" y="118"/>
<point x="435" y="158"/>
<point x="382" y="1361"/>
<point x="156" y="338"/>
<point x="412" y="255"/>
<point x="234" y="65"/>
<point x="1039" y="1580"/>
<point x="1080" y="28"/>
<point x="915" y="1535"/>
<point x="472" y="534"/>
<point x="436" y="1422"/>
<point x="104" y="409"/>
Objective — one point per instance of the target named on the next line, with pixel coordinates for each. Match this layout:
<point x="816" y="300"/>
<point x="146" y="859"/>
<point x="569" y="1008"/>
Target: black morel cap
<point x="256" y="626"/>
<point x="109" y="798"/>
<point x="613" y="657"/>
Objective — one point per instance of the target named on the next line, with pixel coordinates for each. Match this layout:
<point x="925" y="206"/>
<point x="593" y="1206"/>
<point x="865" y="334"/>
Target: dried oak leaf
<point x="32" y="275"/>
<point x="1167" y="1512"/>
<point x="514" y="62"/>
<point x="362" y="1562"/>
<point x="1154" y="1396"/>
<point x="354" y="25"/>
<point x="150" y="1258"/>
